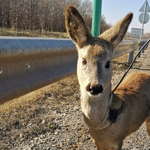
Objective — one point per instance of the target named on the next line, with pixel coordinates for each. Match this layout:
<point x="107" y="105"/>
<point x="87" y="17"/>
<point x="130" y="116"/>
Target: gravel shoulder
<point x="51" y="118"/>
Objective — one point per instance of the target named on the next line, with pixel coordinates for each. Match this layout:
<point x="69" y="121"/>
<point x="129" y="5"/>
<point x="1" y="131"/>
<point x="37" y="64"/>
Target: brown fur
<point x="132" y="97"/>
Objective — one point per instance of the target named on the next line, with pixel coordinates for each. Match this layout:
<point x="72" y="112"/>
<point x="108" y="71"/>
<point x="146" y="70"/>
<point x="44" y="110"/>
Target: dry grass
<point x="29" y="33"/>
<point x="31" y="98"/>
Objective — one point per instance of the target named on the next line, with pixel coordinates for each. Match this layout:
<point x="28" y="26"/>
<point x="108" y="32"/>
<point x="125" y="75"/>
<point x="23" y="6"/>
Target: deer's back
<point x="135" y="82"/>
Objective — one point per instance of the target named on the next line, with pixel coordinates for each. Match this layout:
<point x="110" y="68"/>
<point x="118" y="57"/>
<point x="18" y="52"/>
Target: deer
<point x="110" y="117"/>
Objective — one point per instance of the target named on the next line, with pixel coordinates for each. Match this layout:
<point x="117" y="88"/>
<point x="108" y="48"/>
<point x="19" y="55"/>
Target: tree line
<point x="44" y="15"/>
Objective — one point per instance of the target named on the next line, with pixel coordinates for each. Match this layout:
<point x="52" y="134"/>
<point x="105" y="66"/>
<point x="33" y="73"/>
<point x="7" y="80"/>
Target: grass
<point x="29" y="33"/>
<point x="50" y="126"/>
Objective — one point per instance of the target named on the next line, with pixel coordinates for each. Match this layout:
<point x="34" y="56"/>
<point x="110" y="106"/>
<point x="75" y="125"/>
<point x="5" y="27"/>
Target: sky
<point x="115" y="10"/>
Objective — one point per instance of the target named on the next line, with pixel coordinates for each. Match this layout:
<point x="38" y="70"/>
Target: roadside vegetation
<point x="31" y="33"/>
<point x="41" y="18"/>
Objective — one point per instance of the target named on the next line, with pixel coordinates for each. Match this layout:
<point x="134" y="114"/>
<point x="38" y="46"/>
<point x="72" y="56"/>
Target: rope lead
<point x="131" y="64"/>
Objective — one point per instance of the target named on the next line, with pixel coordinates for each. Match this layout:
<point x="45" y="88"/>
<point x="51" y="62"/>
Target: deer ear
<point x="76" y="28"/>
<point x="116" y="33"/>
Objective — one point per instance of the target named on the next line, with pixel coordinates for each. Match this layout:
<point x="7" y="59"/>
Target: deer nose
<point x="94" y="90"/>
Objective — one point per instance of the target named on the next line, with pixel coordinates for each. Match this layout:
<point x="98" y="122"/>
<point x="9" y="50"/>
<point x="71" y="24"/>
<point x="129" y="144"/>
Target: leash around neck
<point x="131" y="64"/>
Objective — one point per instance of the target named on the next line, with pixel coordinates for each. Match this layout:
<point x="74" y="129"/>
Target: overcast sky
<point x="115" y="10"/>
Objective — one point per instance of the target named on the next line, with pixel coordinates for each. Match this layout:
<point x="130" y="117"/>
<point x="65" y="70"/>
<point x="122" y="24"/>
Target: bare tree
<point x="42" y="14"/>
<point x="104" y="25"/>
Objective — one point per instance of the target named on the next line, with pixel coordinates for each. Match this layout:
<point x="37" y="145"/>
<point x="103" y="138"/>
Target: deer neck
<point x="96" y="108"/>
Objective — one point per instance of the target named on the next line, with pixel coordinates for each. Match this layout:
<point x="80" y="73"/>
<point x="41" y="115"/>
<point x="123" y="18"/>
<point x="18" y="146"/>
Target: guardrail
<point x="27" y="64"/>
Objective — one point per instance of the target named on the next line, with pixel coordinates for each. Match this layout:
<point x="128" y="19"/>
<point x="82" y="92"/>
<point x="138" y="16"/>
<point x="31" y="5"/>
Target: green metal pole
<point x="96" y="20"/>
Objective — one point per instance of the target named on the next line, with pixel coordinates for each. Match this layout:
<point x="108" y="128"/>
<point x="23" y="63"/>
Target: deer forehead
<point x="95" y="52"/>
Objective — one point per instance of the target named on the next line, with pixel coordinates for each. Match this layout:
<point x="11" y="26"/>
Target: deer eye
<point x="84" y="62"/>
<point x="108" y="64"/>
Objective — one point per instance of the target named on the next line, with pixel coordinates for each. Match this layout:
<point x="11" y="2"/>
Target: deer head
<point x="94" y="67"/>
